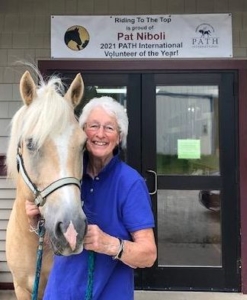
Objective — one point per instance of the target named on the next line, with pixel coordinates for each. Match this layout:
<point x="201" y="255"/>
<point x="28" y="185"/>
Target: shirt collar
<point x="106" y="168"/>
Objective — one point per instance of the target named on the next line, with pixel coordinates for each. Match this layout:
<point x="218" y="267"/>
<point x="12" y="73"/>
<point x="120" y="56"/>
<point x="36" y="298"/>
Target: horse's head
<point x="73" y="35"/>
<point x="49" y="144"/>
<point x="76" y="37"/>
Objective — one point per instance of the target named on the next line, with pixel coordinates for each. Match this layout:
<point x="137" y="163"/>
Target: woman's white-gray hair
<point x="113" y="108"/>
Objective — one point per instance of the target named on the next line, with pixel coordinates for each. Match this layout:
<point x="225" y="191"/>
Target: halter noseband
<point x="40" y="196"/>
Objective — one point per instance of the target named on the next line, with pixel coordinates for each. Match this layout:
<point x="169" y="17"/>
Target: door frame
<point x="180" y="65"/>
<point x="197" y="277"/>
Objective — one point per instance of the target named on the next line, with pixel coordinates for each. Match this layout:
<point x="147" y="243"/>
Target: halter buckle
<point x="39" y="200"/>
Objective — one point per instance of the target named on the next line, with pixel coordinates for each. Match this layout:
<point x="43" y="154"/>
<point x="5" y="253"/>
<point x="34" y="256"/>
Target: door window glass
<point x="187" y="130"/>
<point x="187" y="143"/>
<point x="189" y="231"/>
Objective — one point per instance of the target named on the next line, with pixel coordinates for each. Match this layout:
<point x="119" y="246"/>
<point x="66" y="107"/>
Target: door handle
<point x="155" y="182"/>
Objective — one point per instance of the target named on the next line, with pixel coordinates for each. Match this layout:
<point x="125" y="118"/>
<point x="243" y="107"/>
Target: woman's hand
<point x="101" y="242"/>
<point x="32" y="212"/>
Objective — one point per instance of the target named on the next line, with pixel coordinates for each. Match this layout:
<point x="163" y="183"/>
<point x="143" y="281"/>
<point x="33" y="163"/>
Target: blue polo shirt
<point x="118" y="202"/>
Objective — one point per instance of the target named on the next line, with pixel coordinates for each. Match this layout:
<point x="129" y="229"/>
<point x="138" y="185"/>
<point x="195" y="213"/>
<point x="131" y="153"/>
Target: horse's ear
<point x="27" y="88"/>
<point x="75" y="91"/>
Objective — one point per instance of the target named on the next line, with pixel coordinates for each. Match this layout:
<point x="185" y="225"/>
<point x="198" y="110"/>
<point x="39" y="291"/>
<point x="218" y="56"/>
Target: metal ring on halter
<point x="39" y="200"/>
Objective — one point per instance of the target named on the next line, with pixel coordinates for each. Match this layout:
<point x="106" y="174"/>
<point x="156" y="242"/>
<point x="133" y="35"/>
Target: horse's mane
<point x="47" y="115"/>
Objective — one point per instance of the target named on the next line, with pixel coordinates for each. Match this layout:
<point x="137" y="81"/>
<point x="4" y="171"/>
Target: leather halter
<point x="40" y="196"/>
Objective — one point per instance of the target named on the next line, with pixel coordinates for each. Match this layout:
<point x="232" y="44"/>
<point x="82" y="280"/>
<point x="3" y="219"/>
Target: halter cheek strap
<point x="21" y="169"/>
<point x="40" y="196"/>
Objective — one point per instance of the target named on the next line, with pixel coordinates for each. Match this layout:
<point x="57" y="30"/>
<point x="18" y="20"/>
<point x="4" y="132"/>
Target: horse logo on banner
<point x="76" y="38"/>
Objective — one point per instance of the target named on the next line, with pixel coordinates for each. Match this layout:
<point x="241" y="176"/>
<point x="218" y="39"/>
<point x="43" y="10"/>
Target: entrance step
<point x="144" y="295"/>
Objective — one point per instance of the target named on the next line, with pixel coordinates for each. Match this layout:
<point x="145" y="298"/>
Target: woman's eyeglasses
<point x="96" y="126"/>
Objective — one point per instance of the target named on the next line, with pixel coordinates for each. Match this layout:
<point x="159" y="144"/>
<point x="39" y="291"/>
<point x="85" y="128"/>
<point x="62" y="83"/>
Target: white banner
<point x="144" y="36"/>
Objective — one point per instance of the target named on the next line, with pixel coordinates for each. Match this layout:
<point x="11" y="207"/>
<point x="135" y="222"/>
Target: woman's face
<point x="102" y="132"/>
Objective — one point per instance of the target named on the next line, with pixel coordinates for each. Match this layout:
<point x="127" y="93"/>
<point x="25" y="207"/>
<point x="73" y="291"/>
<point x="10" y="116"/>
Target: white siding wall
<point x="6" y="201"/>
<point x="25" y="34"/>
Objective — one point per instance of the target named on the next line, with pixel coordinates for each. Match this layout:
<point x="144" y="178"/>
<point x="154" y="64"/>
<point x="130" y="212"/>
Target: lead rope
<point x="41" y="233"/>
<point x="91" y="261"/>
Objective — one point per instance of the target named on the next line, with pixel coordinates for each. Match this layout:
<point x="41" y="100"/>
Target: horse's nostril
<point x="58" y="230"/>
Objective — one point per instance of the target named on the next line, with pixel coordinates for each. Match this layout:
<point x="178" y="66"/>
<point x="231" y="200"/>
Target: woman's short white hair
<point x="113" y="108"/>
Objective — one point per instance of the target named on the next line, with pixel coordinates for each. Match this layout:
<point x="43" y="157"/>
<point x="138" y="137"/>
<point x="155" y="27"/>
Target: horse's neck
<point x="19" y="212"/>
<point x="20" y="207"/>
<point x="67" y="38"/>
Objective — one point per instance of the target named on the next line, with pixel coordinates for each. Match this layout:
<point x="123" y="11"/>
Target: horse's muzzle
<point x="68" y="238"/>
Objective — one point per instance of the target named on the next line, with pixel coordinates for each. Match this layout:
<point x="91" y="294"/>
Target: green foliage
<point x="170" y="164"/>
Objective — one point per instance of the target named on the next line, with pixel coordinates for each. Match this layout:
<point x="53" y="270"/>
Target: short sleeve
<point x="137" y="211"/>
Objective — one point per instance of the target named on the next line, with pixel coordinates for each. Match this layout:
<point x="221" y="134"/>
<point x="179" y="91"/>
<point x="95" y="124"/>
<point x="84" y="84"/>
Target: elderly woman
<point x="117" y="205"/>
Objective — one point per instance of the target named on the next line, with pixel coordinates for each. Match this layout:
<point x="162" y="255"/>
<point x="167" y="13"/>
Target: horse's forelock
<point x="54" y="84"/>
<point x="49" y="112"/>
<point x="46" y="116"/>
<point x="13" y="142"/>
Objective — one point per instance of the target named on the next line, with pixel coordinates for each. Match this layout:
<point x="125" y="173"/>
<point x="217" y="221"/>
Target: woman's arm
<point x="139" y="253"/>
<point x="142" y="252"/>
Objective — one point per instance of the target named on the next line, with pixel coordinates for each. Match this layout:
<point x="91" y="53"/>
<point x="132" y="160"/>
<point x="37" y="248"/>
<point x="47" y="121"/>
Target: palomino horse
<point x="48" y="144"/>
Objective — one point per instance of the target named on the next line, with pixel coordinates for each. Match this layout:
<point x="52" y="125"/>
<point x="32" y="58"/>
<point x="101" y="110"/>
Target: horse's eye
<point x="31" y="145"/>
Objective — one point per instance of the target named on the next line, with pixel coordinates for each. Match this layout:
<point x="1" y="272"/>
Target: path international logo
<point x="205" y="37"/>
